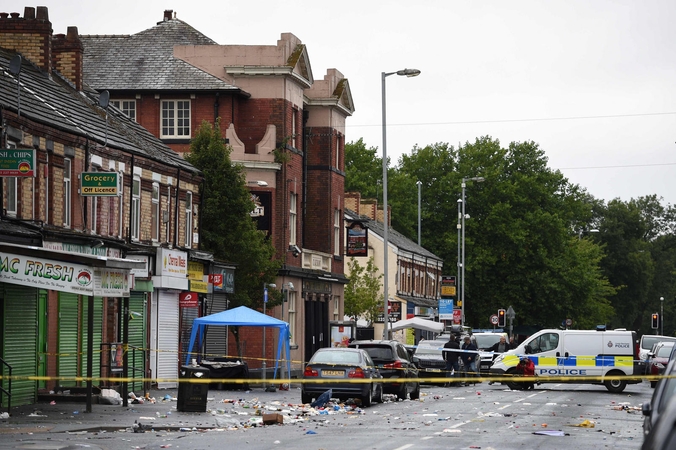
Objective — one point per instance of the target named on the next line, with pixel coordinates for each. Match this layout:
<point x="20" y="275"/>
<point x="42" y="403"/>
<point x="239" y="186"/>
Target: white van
<point x="576" y="356"/>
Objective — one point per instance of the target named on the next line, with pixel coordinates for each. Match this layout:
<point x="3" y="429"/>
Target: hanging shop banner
<point x="172" y="263"/>
<point x="447" y="286"/>
<point x="357" y="240"/>
<point x="100" y="184"/>
<point x="45" y="273"/>
<point x="111" y="283"/>
<point x="188" y="300"/>
<point x="17" y="162"/>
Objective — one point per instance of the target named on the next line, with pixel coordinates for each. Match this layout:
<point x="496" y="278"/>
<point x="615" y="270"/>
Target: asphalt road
<point x="482" y="416"/>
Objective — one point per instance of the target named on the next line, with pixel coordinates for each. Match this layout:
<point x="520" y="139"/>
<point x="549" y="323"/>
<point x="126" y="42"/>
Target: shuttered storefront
<point x="167" y="338"/>
<point x="19" y="340"/>
<point x="215" y="337"/>
<point x="137" y="338"/>
<point x="73" y="338"/>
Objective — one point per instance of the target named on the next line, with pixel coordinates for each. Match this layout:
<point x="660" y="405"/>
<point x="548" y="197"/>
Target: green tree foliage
<point x="364" y="170"/>
<point x="226" y="226"/>
<point x="364" y="293"/>
<point x="521" y="234"/>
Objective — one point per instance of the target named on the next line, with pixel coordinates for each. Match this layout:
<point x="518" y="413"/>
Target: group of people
<point x="468" y="353"/>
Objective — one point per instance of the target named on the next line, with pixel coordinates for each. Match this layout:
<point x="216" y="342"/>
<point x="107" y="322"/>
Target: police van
<point x="576" y="356"/>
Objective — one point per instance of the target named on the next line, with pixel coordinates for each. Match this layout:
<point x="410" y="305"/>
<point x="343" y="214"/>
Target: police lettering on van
<point x="576" y="356"/>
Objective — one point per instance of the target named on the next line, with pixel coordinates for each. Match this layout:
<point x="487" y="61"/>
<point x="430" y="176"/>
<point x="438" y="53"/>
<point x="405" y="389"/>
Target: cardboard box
<point x="272" y="419"/>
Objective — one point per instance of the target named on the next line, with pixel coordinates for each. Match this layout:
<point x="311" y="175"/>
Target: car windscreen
<point x="429" y="348"/>
<point x="336" y="357"/>
<point x="648" y="341"/>
<point x="664" y="351"/>
<point x="379" y="352"/>
<point x="484" y="341"/>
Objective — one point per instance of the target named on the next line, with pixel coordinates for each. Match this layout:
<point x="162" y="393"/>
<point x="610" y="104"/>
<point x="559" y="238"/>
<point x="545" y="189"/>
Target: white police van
<point x="576" y="356"/>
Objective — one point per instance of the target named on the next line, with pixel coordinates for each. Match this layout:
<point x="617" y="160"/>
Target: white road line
<point x="427" y="437"/>
<point x="526" y="398"/>
<point x="503" y="407"/>
<point x="458" y="424"/>
<point x="404" y="447"/>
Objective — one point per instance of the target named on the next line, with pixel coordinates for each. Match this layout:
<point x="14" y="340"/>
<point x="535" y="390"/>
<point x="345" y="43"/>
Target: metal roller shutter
<point x="216" y="337"/>
<point x="137" y="338"/>
<point x="20" y="348"/>
<point x="84" y="338"/>
<point x="68" y="337"/>
<point x="167" y="338"/>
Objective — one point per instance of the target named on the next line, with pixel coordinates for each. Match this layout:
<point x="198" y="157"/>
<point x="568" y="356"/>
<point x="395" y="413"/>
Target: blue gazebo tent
<point x="243" y="317"/>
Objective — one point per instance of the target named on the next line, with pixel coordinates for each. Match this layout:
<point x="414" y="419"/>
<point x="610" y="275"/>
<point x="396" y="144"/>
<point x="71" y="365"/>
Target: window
<point x="175" y="119"/>
<point x="128" y="107"/>
<point x="293" y="128"/>
<point x="336" y="307"/>
<point x="188" y="219"/>
<point x="338" y="153"/>
<point x="336" y="232"/>
<point x="11" y="187"/>
<point x="67" y="174"/>
<point x="292" y="316"/>
<point x="292" y="219"/>
<point x="155" y="213"/>
<point x="136" y="208"/>
<point x="543" y="343"/>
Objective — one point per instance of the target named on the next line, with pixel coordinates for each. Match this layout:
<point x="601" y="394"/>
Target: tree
<point x="364" y="170"/>
<point x="226" y="226"/>
<point x="363" y="294"/>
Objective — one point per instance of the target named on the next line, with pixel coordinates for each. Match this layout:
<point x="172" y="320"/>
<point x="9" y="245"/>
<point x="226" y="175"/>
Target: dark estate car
<point x="395" y="365"/>
<point x="429" y="357"/>
<point x="348" y="372"/>
<point x="664" y="390"/>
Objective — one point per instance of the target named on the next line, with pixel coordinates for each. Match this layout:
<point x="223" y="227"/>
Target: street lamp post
<point x="662" y="316"/>
<point x="265" y="303"/>
<point x="462" y="267"/>
<point x="407" y="73"/>
<point x="459" y="265"/>
<point x="419" y="183"/>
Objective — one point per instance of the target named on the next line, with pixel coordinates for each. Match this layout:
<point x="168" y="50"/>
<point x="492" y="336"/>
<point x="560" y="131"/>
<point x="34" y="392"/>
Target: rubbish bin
<point x="192" y="397"/>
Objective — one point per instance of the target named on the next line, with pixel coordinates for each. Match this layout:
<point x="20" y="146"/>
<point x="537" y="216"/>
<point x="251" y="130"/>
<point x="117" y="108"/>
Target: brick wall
<point x="30" y="35"/>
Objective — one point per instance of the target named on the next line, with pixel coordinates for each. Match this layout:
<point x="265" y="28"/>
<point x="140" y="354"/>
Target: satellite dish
<point x="15" y="65"/>
<point x="104" y="98"/>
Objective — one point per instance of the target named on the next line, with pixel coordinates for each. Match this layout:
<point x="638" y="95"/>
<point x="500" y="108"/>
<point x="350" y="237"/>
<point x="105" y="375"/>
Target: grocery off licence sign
<point x="101" y="184"/>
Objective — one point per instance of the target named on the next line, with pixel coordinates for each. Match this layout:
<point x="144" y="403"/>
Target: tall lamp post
<point x="462" y="267"/>
<point x="265" y="303"/>
<point x="662" y="316"/>
<point x="405" y="73"/>
<point x="419" y="183"/>
<point x="458" y="269"/>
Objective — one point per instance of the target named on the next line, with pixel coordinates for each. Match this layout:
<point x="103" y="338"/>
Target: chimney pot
<point x="29" y="13"/>
<point x="4" y="15"/>
<point x="43" y="13"/>
<point x="14" y="15"/>
<point x="72" y="34"/>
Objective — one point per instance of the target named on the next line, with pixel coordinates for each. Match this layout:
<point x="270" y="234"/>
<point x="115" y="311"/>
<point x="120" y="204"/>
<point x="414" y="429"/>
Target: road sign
<point x="457" y="316"/>
<point x="569" y="322"/>
<point x="494" y="319"/>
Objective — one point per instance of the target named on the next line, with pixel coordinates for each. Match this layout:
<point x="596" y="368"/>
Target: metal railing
<point x="7" y="391"/>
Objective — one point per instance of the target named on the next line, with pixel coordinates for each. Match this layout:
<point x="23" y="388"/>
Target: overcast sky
<point x="593" y="82"/>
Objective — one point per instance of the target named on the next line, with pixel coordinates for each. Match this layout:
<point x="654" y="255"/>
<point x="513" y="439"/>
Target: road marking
<point x="458" y="424"/>
<point x="503" y="407"/>
<point x="427" y="437"/>
<point x="526" y="398"/>
<point x="404" y="447"/>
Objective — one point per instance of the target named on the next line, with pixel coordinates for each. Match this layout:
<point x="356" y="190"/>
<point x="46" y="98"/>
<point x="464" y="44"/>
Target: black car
<point x="348" y="372"/>
<point x="395" y="365"/>
<point x="664" y="390"/>
<point x="429" y="358"/>
<point x="663" y="434"/>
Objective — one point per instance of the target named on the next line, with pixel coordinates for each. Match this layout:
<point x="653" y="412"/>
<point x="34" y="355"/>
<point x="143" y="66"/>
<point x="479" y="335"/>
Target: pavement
<point x="223" y="409"/>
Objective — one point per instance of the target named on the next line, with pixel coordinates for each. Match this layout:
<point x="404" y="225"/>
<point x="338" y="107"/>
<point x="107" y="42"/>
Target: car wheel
<point x="415" y="395"/>
<point x="511" y="384"/>
<point x="379" y="396"/>
<point x="615" y="386"/>
<point x="305" y="398"/>
<point x="401" y="393"/>
<point x="367" y="399"/>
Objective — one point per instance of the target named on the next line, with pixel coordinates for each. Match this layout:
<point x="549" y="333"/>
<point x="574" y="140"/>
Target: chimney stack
<point x="30" y="36"/>
<point x="68" y="56"/>
<point x="167" y="14"/>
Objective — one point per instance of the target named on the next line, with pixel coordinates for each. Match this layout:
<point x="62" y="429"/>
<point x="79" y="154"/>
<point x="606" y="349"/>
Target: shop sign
<point x="46" y="274"/>
<point x="199" y="286"/>
<point x="100" y="184"/>
<point x="111" y="283"/>
<point x="17" y="162"/>
<point x="188" y="300"/>
<point x="143" y="272"/>
<point x="195" y="270"/>
<point x="172" y="263"/>
<point x="68" y="247"/>
<point x="357" y="240"/>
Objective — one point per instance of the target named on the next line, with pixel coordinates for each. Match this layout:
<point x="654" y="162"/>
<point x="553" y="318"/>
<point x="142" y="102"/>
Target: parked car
<point x="429" y="358"/>
<point x="399" y="373"/>
<point x="664" y="391"/>
<point x="343" y="370"/>
<point x="658" y="358"/>
<point x="646" y="344"/>
<point x="484" y="341"/>
<point x="663" y="434"/>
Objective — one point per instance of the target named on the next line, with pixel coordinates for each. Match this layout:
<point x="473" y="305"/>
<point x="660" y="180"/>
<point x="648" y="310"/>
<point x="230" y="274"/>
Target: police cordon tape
<point x="433" y="380"/>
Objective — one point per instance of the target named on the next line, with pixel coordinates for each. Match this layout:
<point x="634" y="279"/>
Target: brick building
<point x="82" y="265"/>
<point x="285" y="128"/>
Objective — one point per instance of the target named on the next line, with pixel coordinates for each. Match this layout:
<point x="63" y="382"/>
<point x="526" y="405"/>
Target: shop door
<point x="316" y="325"/>
<point x="19" y="341"/>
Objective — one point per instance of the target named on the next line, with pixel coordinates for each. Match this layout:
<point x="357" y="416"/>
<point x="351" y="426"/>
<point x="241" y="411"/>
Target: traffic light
<point x="655" y="321"/>
<point x="501" y="318"/>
